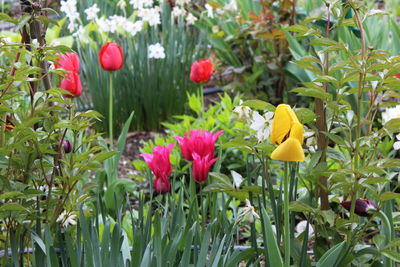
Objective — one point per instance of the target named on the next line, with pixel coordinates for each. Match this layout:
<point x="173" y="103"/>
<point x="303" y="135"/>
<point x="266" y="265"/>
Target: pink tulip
<point x="162" y="185"/>
<point x="201" y="143"/>
<point x="160" y="165"/>
<point x="201" y="167"/>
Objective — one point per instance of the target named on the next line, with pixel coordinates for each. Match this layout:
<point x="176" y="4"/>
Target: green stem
<point x="110" y="114"/>
<point x="286" y="215"/>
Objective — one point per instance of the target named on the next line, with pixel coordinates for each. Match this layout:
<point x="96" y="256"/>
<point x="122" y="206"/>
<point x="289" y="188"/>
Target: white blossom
<point x="302" y="226"/>
<point x="190" y="19"/>
<point x="391" y="113"/>
<point x="91" y="12"/>
<point x="69" y="8"/>
<point x="232" y="6"/>
<point x="66" y="218"/>
<point x="249" y="212"/>
<point x="177" y="11"/>
<point x="156" y="51"/>
<point x="182" y="2"/>
<point x="106" y="25"/>
<point x="151" y="15"/>
<point x="243" y="112"/>
<point x="134" y="28"/>
<point x="139" y="4"/>
<point x="396" y="144"/>
<point x="119" y="21"/>
<point x="209" y="10"/>
<point x="260" y="124"/>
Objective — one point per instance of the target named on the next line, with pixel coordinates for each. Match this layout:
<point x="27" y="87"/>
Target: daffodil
<point x="288" y="133"/>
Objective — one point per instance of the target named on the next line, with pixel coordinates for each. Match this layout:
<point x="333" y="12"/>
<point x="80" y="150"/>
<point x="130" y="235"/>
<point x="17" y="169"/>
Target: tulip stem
<point x="110" y="114"/>
<point x="286" y="215"/>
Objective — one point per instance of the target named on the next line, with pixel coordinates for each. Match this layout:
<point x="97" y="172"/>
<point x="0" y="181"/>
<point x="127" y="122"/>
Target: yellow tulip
<point x="284" y="119"/>
<point x="288" y="133"/>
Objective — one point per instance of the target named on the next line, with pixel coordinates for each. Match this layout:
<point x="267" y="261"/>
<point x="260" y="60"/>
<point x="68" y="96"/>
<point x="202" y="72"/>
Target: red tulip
<point x="69" y="62"/>
<point x="201" y="143"/>
<point x="111" y="57"/>
<point x="71" y="83"/>
<point x="201" y="71"/>
<point x="397" y="75"/>
<point x="362" y="208"/>
<point x="201" y="167"/>
<point x="160" y="165"/>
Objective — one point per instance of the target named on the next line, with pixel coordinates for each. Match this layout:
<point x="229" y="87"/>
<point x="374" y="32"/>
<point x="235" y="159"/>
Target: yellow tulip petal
<point x="290" y="150"/>
<point x="297" y="132"/>
<point x="281" y="124"/>
<point x="292" y="115"/>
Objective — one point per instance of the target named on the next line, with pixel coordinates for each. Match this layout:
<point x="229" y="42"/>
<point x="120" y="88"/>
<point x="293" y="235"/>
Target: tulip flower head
<point x="201" y="71"/>
<point x="201" y="143"/>
<point x="288" y="133"/>
<point x="362" y="208"/>
<point x="201" y="167"/>
<point x="111" y="57"/>
<point x="160" y="165"/>
<point x="72" y="82"/>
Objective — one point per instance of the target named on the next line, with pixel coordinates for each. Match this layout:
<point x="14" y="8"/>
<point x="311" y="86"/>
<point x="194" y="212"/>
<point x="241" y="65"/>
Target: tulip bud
<point x="362" y="208"/>
<point x="67" y="146"/>
<point x="111" y="57"/>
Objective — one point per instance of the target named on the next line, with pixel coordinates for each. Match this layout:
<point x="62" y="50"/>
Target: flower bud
<point x="67" y="146"/>
<point x="362" y="208"/>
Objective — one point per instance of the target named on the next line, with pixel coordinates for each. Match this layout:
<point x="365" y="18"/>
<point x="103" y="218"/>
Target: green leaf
<point x="330" y="257"/>
<point x="274" y="256"/>
<point x="10" y="194"/>
<point x="323" y="42"/>
<point x="300" y="207"/>
<point x="313" y="92"/>
<point x="305" y="115"/>
<point x="393" y="255"/>
<point x="297" y="28"/>
<point x="388" y="196"/>
<point x="12" y="207"/>
<point x="23" y="20"/>
<point x="259" y="105"/>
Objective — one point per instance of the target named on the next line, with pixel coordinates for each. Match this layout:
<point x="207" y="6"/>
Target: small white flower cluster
<point x="139" y="4"/>
<point x="248" y="212"/>
<point x="151" y="15"/>
<point x="67" y="218"/>
<point x="156" y="51"/>
<point x="91" y="12"/>
<point x="229" y="7"/>
<point x="259" y="123"/>
<point x="69" y="8"/>
<point x="391" y="113"/>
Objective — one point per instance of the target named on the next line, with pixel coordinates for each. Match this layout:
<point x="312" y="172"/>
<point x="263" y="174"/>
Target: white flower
<point x="243" y="111"/>
<point x="151" y="15"/>
<point x="119" y="21"/>
<point x="232" y="6"/>
<point x="391" y="113"/>
<point x="396" y="144"/>
<point x="177" y="11"/>
<point x="66" y="218"/>
<point x="209" y="9"/>
<point x="156" y="51"/>
<point x="190" y="19"/>
<point x="134" y="28"/>
<point x="139" y="4"/>
<point x="69" y="8"/>
<point x="260" y="124"/>
<point x="121" y="4"/>
<point x="91" y="12"/>
<point x="249" y="212"/>
<point x="182" y="2"/>
<point x="301" y="227"/>
<point x="106" y="25"/>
